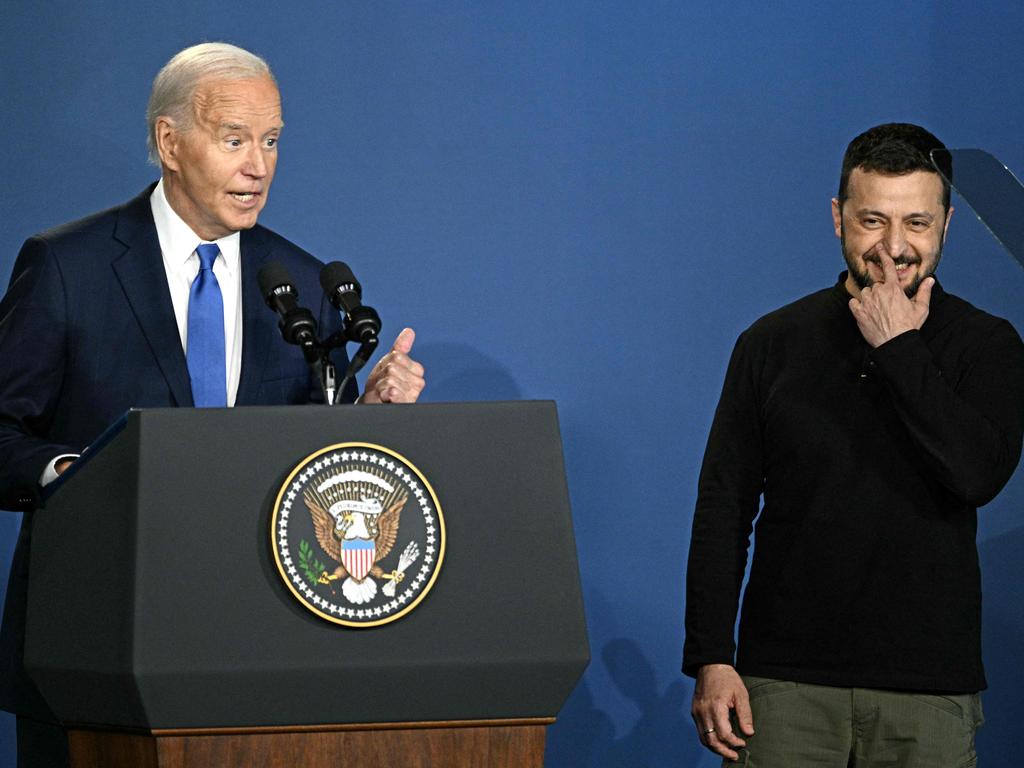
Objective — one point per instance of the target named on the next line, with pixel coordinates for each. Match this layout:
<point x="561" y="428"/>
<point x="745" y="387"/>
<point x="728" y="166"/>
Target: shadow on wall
<point x="1002" y="573"/>
<point x="661" y="736"/>
<point x="583" y="735"/>
<point x="458" y="372"/>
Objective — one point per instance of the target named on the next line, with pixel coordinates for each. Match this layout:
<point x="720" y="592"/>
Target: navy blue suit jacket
<point x="87" y="330"/>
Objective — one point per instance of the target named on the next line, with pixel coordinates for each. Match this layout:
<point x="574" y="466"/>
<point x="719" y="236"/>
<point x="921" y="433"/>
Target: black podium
<point x="161" y="632"/>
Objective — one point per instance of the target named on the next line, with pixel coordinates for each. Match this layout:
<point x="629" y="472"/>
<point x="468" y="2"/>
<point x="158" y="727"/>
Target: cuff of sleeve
<point x="692" y="664"/>
<point x="50" y="473"/>
<point x="899" y="351"/>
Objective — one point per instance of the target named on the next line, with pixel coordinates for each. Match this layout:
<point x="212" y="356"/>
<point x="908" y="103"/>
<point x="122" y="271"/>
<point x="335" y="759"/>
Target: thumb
<point x="404" y="341"/>
<point x="743" y="714"/>
<point x="924" y="292"/>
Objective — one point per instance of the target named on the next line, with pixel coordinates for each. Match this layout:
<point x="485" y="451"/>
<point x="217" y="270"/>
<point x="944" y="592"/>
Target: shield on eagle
<point x="357" y="555"/>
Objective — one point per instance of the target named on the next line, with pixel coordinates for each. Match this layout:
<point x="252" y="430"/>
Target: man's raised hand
<point x="396" y="378"/>
<point x="883" y="310"/>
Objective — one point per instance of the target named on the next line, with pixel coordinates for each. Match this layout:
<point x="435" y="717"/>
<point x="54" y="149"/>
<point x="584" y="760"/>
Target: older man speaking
<point x="155" y="303"/>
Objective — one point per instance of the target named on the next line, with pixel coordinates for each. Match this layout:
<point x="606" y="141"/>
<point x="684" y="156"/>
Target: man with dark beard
<point x="874" y="418"/>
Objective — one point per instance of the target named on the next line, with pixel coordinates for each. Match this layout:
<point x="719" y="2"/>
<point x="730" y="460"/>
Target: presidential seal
<point x="358" y="535"/>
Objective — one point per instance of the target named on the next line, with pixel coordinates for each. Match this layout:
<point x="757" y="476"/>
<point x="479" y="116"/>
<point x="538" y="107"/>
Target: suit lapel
<point x="140" y="270"/>
<point x="258" y="321"/>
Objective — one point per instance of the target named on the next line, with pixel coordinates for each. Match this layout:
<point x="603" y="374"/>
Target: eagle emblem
<point x="358" y="534"/>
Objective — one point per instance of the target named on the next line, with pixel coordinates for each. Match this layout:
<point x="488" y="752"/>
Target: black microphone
<point x="341" y="286"/>
<point x="362" y="324"/>
<point x="296" y="323"/>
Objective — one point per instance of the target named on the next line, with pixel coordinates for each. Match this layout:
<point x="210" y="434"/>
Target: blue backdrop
<point x="584" y="201"/>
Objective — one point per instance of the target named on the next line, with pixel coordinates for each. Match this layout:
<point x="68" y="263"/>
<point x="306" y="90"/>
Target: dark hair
<point x="895" y="149"/>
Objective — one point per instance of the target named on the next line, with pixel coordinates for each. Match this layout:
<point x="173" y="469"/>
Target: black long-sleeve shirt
<point x="871" y="463"/>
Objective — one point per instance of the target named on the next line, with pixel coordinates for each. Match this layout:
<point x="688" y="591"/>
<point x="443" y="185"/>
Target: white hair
<point x="175" y="86"/>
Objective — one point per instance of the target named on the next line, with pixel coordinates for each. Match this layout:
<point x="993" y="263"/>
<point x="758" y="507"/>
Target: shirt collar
<point x="177" y="240"/>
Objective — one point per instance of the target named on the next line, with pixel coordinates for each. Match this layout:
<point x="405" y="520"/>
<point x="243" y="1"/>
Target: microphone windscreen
<point x="272" y="276"/>
<point x="337" y="273"/>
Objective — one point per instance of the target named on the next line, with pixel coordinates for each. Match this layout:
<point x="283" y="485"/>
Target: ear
<point x="168" y="142"/>
<point x="945" y="227"/>
<point x="837" y="216"/>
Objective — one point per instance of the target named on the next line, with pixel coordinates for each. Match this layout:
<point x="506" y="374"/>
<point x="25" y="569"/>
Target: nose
<point x="895" y="240"/>
<point x="256" y="163"/>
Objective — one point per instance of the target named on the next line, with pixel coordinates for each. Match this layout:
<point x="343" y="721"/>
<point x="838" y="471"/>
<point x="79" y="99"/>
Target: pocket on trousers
<point x="760" y="687"/>
<point x="960" y="707"/>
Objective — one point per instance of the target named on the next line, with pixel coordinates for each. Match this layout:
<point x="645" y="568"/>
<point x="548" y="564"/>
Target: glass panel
<point x="989" y="187"/>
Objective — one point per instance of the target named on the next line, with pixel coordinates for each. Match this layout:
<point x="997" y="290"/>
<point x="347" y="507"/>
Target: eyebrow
<point x="245" y="126"/>
<point x="881" y="215"/>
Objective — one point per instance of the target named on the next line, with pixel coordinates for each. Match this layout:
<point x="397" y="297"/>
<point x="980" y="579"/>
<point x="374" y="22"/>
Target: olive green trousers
<point x="798" y="725"/>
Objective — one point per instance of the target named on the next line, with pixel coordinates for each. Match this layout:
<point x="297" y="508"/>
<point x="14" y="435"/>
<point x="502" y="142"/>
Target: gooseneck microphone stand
<point x="360" y="324"/>
<point x="367" y="345"/>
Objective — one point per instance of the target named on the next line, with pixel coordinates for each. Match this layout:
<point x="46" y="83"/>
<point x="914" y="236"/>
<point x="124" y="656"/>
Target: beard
<point x="858" y="269"/>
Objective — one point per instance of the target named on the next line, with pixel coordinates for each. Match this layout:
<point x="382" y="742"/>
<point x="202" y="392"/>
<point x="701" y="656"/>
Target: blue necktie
<point x="205" y="352"/>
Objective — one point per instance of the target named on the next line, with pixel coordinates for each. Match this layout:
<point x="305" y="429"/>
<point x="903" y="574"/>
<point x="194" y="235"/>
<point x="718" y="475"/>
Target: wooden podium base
<point x="476" y="743"/>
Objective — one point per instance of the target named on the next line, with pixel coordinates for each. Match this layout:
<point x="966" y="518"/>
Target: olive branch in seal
<point x="310" y="566"/>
